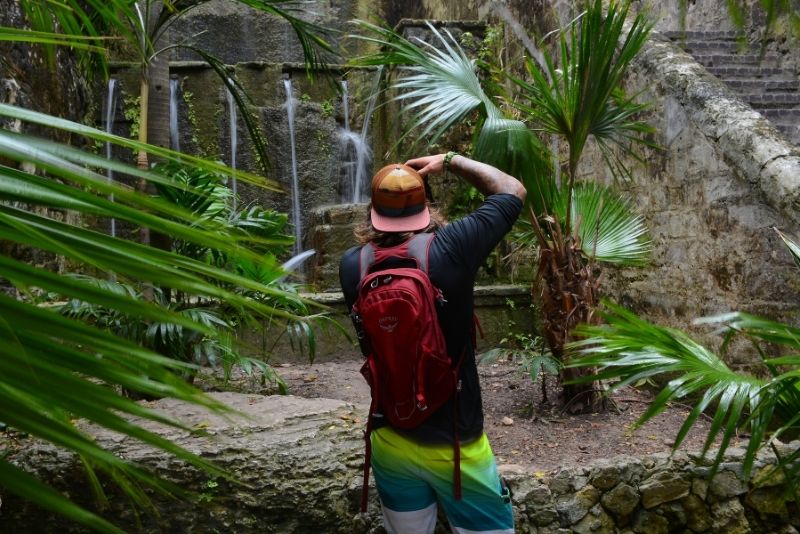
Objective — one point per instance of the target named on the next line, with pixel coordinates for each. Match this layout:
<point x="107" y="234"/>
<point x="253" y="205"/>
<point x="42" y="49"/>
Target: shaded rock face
<point x="298" y="462"/>
<point x="30" y="80"/>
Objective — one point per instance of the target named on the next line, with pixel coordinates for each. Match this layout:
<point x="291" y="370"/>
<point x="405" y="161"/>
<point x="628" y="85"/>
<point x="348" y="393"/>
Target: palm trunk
<point x="568" y="287"/>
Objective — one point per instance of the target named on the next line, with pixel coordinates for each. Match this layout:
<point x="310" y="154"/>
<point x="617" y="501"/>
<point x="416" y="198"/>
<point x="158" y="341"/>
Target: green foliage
<point x="132" y="111"/>
<point x="628" y="349"/>
<point x="54" y="368"/>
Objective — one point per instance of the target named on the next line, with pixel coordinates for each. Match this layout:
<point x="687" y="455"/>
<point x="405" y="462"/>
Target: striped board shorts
<point x="412" y="478"/>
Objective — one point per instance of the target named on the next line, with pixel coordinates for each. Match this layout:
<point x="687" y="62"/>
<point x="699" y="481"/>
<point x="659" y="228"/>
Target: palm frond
<point x="313" y="38"/>
<point x="792" y="245"/>
<point x="512" y="147"/>
<point x="609" y="229"/>
<point x="439" y="86"/>
<point x="628" y="349"/>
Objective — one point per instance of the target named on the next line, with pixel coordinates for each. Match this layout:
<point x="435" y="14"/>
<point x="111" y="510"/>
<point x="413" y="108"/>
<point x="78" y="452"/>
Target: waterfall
<point x="345" y="105"/>
<point x="354" y="149"/>
<point x="174" y="133"/>
<point x="108" y="120"/>
<point x="296" y="220"/>
<point x="233" y="120"/>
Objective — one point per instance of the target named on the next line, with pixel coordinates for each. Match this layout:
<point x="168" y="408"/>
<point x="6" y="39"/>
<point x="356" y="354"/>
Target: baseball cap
<point x="398" y="200"/>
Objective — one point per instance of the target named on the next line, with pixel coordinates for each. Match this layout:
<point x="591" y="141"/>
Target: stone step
<point x="747" y="72"/>
<point x="786" y="85"/>
<point x="701" y="35"/>
<point x="773" y="100"/>
<point x="782" y="115"/>
<point x="733" y="60"/>
<point x="708" y="47"/>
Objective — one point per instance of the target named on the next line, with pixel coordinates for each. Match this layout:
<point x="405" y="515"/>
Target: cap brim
<point x="410" y="223"/>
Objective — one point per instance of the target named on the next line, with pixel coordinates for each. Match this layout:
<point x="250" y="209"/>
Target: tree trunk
<point x="568" y="295"/>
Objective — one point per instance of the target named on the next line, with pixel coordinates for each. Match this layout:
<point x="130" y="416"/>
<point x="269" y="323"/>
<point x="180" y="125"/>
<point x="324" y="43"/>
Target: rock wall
<point x="711" y="196"/>
<point x="298" y="466"/>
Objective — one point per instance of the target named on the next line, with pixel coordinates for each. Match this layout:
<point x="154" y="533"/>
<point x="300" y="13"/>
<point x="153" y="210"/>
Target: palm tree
<point x="628" y="349"/>
<point x="576" y="224"/>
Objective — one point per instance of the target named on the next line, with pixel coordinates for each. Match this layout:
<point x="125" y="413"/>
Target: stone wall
<point x="723" y="178"/>
<point x="298" y="466"/>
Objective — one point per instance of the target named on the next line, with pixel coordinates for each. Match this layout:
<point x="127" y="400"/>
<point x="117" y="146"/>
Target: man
<point x="413" y="468"/>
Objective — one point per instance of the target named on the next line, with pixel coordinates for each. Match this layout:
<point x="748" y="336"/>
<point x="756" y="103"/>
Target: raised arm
<point x="485" y="178"/>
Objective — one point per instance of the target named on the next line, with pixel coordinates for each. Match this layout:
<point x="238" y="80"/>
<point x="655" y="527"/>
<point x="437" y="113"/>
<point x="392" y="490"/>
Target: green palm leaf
<point x="609" y="229"/>
<point x="439" y="87"/>
<point x="52" y="368"/>
<point x="629" y="349"/>
<point x="583" y="96"/>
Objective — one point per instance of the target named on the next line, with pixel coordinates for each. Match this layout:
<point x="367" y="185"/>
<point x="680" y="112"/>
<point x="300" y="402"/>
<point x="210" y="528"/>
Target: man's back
<point x="456" y="253"/>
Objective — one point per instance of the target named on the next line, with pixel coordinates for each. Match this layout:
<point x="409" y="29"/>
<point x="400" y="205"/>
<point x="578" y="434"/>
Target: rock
<point x="292" y="453"/>
<point x="597" y="520"/>
<point x="729" y="517"/>
<point x="697" y="513"/>
<point x="621" y="501"/>
<point x="605" y="477"/>
<point x="507" y="421"/>
<point x="573" y="509"/>
<point x="663" y="487"/>
<point x="770" y="503"/>
<point x="648" y="522"/>
<point x="726" y="484"/>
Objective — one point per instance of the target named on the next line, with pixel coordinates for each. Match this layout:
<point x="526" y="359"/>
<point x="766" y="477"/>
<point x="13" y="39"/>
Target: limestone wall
<point x="298" y="466"/>
<point x="711" y="196"/>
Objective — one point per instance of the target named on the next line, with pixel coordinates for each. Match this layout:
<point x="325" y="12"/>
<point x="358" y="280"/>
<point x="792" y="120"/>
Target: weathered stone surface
<point x="605" y="477"/>
<point x="728" y="516"/>
<point x="621" y="501"/>
<point x="698" y="518"/>
<point x="300" y="462"/>
<point x="597" y="520"/>
<point x="663" y="487"/>
<point x="726" y="484"/>
<point x="648" y="522"/>
<point x="574" y="508"/>
<point x="296" y="458"/>
<point x="770" y="503"/>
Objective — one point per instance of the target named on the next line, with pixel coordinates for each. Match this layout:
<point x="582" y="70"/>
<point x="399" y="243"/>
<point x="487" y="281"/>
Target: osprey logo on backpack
<point x="388" y="323"/>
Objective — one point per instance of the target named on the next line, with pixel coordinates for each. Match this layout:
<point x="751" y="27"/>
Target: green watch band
<point x="448" y="158"/>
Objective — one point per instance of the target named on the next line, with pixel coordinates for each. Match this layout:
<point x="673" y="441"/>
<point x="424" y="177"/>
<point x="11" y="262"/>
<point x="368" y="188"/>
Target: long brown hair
<point x="366" y="233"/>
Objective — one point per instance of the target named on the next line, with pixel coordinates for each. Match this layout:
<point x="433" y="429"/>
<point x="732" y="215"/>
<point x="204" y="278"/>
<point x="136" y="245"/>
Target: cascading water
<point x="233" y="121"/>
<point x="108" y="119"/>
<point x="174" y="133"/>
<point x="296" y="219"/>
<point x="354" y="149"/>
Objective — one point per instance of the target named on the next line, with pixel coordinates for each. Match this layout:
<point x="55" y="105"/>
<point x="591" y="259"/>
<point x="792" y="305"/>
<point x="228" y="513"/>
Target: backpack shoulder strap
<point x="418" y="248"/>
<point x="415" y="248"/>
<point x="366" y="259"/>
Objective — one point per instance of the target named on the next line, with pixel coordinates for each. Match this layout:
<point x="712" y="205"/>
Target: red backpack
<point x="407" y="366"/>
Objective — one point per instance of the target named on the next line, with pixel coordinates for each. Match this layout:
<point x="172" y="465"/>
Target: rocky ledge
<point x="298" y="463"/>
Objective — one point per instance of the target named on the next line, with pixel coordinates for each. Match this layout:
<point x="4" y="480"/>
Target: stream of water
<point x="296" y="216"/>
<point x="174" y="132"/>
<point x="108" y="119"/>
<point x="233" y="122"/>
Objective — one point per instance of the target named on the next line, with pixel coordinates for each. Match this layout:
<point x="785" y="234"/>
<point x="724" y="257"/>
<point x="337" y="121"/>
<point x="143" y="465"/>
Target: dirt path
<point x="523" y="430"/>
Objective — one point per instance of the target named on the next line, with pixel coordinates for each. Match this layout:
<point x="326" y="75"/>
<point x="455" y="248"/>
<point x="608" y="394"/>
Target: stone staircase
<point x="771" y="90"/>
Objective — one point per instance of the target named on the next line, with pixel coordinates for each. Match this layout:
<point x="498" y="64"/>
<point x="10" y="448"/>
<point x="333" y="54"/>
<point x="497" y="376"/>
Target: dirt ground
<point x="524" y="431"/>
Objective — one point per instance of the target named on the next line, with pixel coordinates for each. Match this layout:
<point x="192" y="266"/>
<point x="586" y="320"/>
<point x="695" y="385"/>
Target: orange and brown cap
<point x="398" y="200"/>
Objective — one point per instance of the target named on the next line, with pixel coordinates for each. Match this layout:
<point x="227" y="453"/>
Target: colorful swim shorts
<point x="412" y="477"/>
